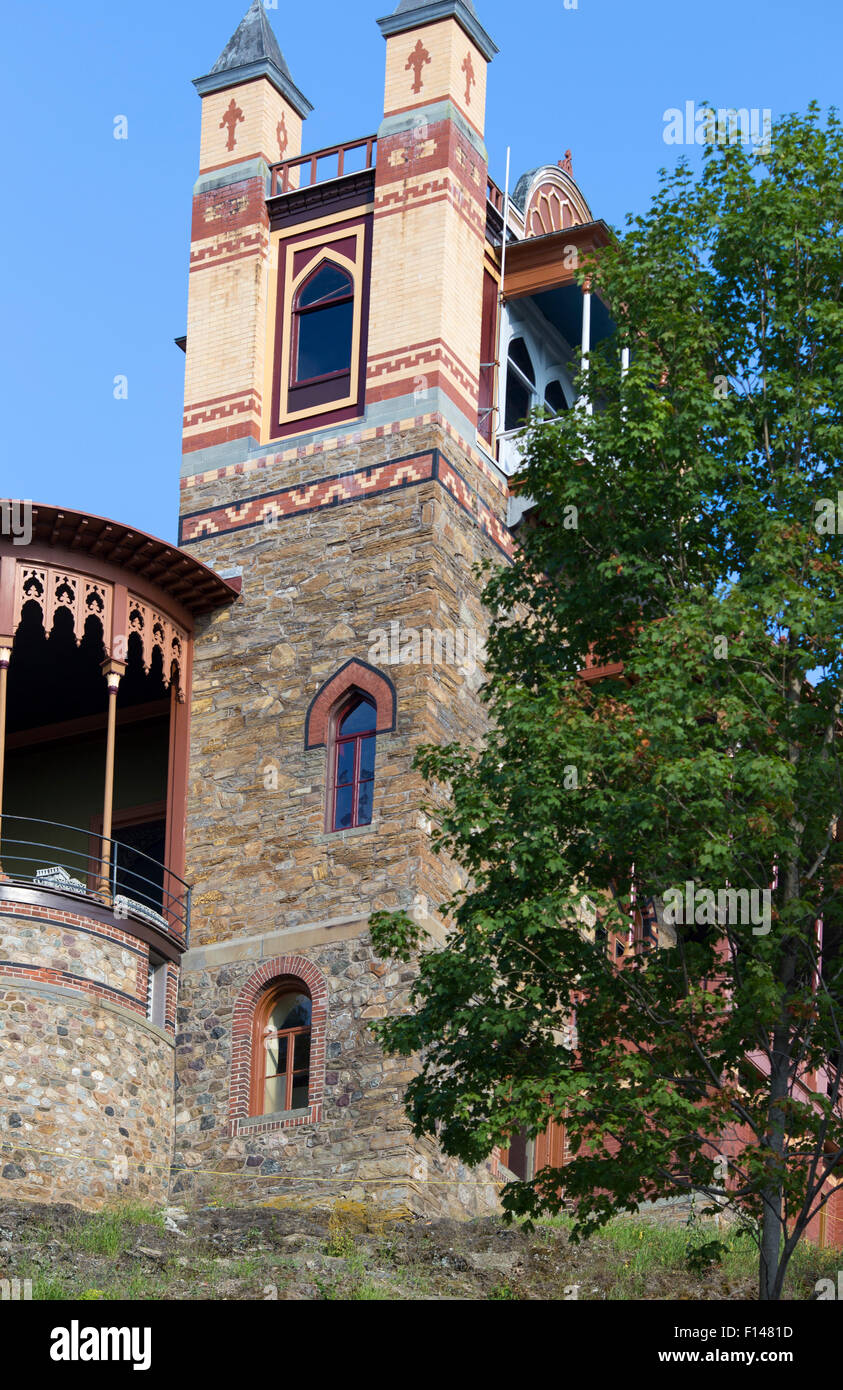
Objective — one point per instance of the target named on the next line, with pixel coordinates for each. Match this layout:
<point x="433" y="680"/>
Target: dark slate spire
<point x="253" y="51"/>
<point x="411" y="14"/>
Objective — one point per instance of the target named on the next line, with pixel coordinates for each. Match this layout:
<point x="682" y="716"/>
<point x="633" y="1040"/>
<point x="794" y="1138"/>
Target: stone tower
<point x="340" y="318"/>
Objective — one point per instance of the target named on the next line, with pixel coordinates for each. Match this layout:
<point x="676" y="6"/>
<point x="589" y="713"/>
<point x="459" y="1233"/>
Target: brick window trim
<point x="355" y="675"/>
<point x="256" y="987"/>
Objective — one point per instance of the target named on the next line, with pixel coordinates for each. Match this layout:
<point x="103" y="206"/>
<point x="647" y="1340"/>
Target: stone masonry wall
<point x="268" y="880"/>
<point x="362" y="1147"/>
<point x="315" y="587"/>
<point x="86" y="1083"/>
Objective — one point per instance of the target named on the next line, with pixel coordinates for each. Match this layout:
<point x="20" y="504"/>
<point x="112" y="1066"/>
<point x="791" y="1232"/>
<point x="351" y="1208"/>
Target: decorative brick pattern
<point x="354" y="675"/>
<point x="71" y="950"/>
<point x="325" y="492"/>
<point x="243" y="1031"/>
<point x="337" y="442"/>
<point x="270" y="508"/>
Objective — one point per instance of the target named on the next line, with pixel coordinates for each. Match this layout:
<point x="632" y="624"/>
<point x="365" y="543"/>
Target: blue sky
<point x="94" y="238"/>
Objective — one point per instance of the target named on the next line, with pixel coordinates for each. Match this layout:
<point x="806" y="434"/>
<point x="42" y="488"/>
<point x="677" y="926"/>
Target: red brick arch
<point x="354" y="675"/>
<point x="248" y="999"/>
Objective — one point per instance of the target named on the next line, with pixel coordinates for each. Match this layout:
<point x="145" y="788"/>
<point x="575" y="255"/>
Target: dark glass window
<point x="355" y="765"/>
<point x="520" y="385"/>
<point x="554" y="397"/>
<point x="285" y="1060"/>
<point x="323" y="317"/>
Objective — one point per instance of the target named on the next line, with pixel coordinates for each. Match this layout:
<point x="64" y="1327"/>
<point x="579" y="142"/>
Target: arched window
<point x="354" y="764"/>
<point x="554" y="398"/>
<point x="323" y="321"/>
<point x="520" y="385"/>
<point x="281" y="1049"/>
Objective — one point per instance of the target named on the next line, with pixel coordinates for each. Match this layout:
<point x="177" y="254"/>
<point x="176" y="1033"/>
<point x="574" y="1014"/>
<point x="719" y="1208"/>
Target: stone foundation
<point x="86" y="1111"/>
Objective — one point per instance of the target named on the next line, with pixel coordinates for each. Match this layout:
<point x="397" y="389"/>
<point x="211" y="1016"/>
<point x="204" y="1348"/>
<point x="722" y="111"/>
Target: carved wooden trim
<point x="155" y="629"/>
<point x="55" y="589"/>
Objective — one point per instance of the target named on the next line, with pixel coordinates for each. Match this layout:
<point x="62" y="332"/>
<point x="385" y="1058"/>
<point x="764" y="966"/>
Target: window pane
<point x="519" y="399"/>
<point x="520" y="356"/>
<point x="275" y="1095"/>
<point x="325" y="341"/>
<point x="276" y="1056"/>
<point x="299" y="1093"/>
<point x="302" y="1054"/>
<point x="364" y="803"/>
<point x="290" y="1011"/>
<point x="361" y="719"/>
<point x="344" y="804"/>
<point x="554" y="397"/>
<point x="345" y="763"/>
<point x="367" y="759"/>
<point x="328" y="283"/>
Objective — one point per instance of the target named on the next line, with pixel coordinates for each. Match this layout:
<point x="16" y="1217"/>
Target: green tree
<point x="706" y="560"/>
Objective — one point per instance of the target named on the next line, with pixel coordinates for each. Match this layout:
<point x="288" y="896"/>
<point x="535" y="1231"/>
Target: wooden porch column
<point x="113" y="672"/>
<point x="177" y="782"/>
<point x="586" y="330"/>
<point x="5" y="656"/>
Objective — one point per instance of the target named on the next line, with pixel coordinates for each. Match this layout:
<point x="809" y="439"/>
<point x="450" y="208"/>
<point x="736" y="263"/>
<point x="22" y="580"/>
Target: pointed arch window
<point x="281" y="1049"/>
<point x="323" y="326"/>
<point x="554" y="398"/>
<point x="354" y="764"/>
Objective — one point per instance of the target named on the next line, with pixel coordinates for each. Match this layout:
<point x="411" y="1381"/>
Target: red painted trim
<point x="340" y="742"/>
<point x="358" y="676"/>
<point x="342" y="413"/>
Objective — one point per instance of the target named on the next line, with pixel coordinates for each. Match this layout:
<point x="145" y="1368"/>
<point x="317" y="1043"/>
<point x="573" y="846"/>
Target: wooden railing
<point x="323" y="165"/>
<point x="494" y="195"/>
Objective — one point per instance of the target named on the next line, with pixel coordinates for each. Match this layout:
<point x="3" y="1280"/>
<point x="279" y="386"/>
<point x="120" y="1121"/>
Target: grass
<point x="110" y="1232"/>
<point x="646" y="1250"/>
<point x="354" y="1257"/>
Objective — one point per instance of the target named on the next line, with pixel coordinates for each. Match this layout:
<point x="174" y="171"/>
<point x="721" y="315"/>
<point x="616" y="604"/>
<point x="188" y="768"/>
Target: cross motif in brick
<point x="468" y="69"/>
<point x="282" y="135"/>
<point x="232" y="119"/>
<point x="417" y="60"/>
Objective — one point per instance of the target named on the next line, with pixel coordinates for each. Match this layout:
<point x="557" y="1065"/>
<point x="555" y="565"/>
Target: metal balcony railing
<point x="41" y="854"/>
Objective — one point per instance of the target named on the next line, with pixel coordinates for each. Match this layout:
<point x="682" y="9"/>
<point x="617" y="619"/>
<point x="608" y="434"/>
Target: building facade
<point x="233" y="722"/>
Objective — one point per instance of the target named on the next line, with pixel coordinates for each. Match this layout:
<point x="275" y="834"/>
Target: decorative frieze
<point x="55" y="589"/>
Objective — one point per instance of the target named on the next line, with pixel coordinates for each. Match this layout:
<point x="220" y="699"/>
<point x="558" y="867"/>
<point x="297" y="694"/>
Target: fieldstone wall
<point x="86" y="1083"/>
<point x="318" y="586"/>
<point x="361" y="1148"/>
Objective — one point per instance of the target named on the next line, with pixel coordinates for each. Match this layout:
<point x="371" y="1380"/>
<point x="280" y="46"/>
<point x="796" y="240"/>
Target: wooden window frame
<point x="297" y="312"/>
<point x="339" y="741"/>
<point x="287" y="985"/>
<point x="265" y="980"/>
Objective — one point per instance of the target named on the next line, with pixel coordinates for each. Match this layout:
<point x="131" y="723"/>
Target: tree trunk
<point x="769" y="1287"/>
<point x="770" y="1276"/>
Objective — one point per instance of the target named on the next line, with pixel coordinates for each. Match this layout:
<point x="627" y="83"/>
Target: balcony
<point x="323" y="166"/>
<point x="49" y="857"/>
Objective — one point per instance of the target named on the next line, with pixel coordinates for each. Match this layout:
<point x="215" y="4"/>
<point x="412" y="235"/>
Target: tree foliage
<point x="707" y="560"/>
